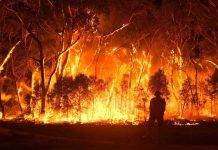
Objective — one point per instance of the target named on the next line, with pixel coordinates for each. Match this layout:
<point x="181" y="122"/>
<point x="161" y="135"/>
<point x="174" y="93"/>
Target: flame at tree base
<point x="120" y="96"/>
<point x="113" y="111"/>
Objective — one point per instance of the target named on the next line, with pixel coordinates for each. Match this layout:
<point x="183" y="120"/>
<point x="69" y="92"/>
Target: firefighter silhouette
<point x="157" y="109"/>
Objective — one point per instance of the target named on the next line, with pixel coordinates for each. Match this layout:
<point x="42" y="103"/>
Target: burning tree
<point x="158" y="82"/>
<point x="85" y="55"/>
<point x="211" y="89"/>
<point x="75" y="93"/>
<point x="187" y="95"/>
<point x="51" y="24"/>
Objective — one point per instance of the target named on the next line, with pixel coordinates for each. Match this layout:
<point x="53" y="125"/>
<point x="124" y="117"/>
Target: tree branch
<point x="35" y="59"/>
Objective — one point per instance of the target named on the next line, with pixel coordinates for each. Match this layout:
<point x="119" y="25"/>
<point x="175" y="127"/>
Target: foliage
<point x="186" y="93"/>
<point x="212" y="85"/>
<point x="158" y="82"/>
<point x="77" y="91"/>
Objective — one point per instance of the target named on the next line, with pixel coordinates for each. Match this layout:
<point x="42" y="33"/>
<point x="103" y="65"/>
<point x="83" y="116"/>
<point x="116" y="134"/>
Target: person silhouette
<point x="157" y="109"/>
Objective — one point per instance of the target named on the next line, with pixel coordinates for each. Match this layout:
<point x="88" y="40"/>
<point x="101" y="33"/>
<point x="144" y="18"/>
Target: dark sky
<point x="166" y="17"/>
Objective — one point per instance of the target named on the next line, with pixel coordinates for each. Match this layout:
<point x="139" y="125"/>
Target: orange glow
<point x="126" y="97"/>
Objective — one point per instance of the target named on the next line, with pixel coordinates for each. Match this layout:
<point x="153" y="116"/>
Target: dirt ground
<point x="26" y="135"/>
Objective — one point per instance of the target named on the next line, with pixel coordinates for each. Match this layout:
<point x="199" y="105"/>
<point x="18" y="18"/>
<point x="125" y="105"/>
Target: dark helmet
<point x="157" y="93"/>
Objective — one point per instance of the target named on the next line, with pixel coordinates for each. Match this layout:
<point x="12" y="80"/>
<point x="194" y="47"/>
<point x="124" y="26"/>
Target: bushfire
<point x="110" y="92"/>
<point x="77" y="67"/>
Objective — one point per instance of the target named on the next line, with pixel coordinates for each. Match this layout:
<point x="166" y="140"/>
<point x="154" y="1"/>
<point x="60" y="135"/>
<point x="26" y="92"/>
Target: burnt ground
<point x="29" y="135"/>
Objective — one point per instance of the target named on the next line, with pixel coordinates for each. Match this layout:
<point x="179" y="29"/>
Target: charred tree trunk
<point x="182" y="109"/>
<point x="42" y="71"/>
<point x="80" y="110"/>
<point x="192" y="94"/>
<point x="196" y="89"/>
<point x="144" y="106"/>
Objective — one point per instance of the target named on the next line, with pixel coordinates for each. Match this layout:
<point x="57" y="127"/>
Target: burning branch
<point x="50" y="3"/>
<point x="57" y="62"/>
<point x="8" y="56"/>
<point x="213" y="63"/>
<point x="69" y="48"/>
<point x="116" y="30"/>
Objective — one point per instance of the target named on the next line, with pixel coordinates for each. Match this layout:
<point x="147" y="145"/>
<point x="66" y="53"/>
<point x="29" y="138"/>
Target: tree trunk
<point x="144" y="105"/>
<point x="211" y="105"/>
<point x="2" y="106"/>
<point x="211" y="108"/>
<point x="180" y="111"/>
<point x="183" y="108"/>
<point x="192" y="100"/>
<point x="42" y="68"/>
<point x="80" y="109"/>
<point x="64" y="64"/>
<point x="191" y="114"/>
<point x="130" y="73"/>
<point x="42" y="73"/>
<point x="18" y="98"/>
<point x="60" y="76"/>
<point x="15" y="84"/>
<point x="196" y="89"/>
